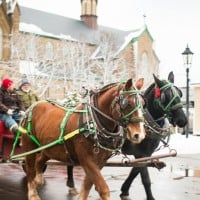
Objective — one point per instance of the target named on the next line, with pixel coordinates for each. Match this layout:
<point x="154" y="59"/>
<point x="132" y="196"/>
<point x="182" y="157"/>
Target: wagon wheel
<point x="24" y="166"/>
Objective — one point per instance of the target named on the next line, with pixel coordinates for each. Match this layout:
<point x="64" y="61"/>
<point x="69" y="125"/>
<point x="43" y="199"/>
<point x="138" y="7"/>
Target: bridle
<point x="151" y="124"/>
<point x="121" y="102"/>
<point x="159" y="99"/>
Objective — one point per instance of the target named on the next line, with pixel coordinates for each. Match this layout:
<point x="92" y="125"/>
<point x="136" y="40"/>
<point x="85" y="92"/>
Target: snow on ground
<point x="177" y="142"/>
<point x="183" y="145"/>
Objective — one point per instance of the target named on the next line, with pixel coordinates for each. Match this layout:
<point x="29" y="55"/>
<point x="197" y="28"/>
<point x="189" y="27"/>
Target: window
<point x="144" y="65"/>
<point x="65" y="50"/>
<point x="144" y="70"/>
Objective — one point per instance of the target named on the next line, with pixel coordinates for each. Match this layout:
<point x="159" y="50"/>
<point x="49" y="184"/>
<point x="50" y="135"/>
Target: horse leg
<point x="70" y="181"/>
<point x="31" y="172"/>
<point x="127" y="183"/>
<point x="41" y="160"/>
<point x="146" y="181"/>
<point x="86" y="187"/>
<point x="93" y="176"/>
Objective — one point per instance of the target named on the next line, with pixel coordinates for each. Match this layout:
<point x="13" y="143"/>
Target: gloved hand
<point x="10" y="111"/>
<point x="22" y="113"/>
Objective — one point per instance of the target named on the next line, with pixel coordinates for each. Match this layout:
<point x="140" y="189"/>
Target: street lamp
<point x="187" y="59"/>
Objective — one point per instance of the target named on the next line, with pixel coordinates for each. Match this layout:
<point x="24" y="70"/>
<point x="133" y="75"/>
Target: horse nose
<point x="182" y="123"/>
<point x="137" y="137"/>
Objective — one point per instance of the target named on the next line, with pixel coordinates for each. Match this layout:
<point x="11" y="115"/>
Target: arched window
<point x="1" y="43"/>
<point x="144" y="64"/>
<point x="65" y="50"/>
<point x="145" y="70"/>
<point x="49" y="51"/>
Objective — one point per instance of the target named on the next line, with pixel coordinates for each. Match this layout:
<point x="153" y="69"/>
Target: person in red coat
<point x="11" y="107"/>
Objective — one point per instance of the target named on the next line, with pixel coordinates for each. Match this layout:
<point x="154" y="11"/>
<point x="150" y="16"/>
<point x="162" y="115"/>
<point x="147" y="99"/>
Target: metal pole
<point x="187" y="100"/>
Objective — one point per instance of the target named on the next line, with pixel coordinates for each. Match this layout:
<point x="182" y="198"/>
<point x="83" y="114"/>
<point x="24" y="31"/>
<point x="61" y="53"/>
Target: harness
<point x="91" y="125"/>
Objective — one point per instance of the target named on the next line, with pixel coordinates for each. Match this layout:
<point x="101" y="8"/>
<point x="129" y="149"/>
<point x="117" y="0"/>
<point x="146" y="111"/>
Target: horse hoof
<point x="125" y="197"/>
<point x="72" y="191"/>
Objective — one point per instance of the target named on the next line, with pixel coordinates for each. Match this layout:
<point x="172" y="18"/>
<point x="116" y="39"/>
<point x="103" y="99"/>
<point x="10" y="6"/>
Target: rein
<point x="153" y="127"/>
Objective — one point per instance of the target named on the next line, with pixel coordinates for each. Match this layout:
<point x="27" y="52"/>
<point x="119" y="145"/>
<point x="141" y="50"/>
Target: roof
<point x="52" y="25"/>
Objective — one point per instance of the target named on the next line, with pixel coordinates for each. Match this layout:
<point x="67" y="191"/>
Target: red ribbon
<point x="157" y="92"/>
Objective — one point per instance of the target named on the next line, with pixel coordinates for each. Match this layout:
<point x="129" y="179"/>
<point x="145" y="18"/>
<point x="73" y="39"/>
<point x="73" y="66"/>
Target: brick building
<point x="71" y="52"/>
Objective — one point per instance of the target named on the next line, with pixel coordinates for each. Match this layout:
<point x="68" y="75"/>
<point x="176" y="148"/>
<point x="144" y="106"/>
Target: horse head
<point x="127" y="108"/>
<point x="167" y="100"/>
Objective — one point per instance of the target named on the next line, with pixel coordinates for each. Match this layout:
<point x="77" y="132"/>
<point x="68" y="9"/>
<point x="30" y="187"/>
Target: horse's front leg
<point x="94" y="176"/>
<point x="146" y="181"/>
<point x="127" y="183"/>
<point x="86" y="187"/>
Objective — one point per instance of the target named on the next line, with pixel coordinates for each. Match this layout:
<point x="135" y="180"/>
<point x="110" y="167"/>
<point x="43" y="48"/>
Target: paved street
<point x="180" y="180"/>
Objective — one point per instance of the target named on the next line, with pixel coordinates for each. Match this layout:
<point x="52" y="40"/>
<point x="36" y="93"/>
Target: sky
<point x="173" y="24"/>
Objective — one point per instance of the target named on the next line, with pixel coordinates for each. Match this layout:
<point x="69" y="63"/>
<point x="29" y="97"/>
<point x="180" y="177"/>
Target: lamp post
<point x="187" y="58"/>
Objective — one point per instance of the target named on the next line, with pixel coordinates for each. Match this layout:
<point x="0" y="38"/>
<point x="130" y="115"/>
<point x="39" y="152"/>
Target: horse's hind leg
<point x="41" y="160"/>
<point x="31" y="172"/>
<point x="70" y="181"/>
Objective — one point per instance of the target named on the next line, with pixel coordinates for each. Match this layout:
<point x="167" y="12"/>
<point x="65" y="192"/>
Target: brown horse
<point x="92" y="132"/>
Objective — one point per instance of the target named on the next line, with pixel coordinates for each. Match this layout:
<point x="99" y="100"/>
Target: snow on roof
<point x="32" y="28"/>
<point x="128" y="38"/>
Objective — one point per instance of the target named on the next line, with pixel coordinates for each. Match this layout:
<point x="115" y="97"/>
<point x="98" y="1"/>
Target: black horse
<point x="162" y="100"/>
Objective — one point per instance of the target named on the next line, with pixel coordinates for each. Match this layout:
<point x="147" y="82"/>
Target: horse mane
<point x="107" y="87"/>
<point x="147" y="91"/>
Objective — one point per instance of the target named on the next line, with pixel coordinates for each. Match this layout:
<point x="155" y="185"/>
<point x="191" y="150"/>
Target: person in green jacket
<point x="25" y="93"/>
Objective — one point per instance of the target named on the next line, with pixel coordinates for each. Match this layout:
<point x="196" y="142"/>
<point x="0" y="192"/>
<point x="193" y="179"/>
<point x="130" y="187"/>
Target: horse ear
<point x="158" y="82"/>
<point x="129" y="83"/>
<point x="171" y="77"/>
<point x="139" y="83"/>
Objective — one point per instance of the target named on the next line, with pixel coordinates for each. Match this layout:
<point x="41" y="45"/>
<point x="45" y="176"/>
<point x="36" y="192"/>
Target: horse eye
<point x="123" y="103"/>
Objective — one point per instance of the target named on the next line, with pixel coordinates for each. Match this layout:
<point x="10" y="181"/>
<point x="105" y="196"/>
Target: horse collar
<point x="105" y="139"/>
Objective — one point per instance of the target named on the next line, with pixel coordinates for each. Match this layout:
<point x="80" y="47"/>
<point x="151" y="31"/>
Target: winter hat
<point x="23" y="82"/>
<point x="6" y="83"/>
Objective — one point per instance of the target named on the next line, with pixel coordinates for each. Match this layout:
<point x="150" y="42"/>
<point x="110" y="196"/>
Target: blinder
<point x="123" y="102"/>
